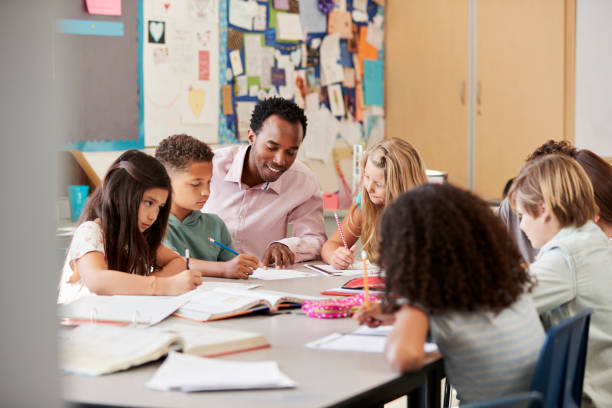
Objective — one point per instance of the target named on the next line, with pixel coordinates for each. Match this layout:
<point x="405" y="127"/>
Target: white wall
<point x="593" y="121"/>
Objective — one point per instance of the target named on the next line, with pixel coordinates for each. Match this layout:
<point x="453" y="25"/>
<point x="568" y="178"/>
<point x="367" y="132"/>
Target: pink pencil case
<point x="335" y="308"/>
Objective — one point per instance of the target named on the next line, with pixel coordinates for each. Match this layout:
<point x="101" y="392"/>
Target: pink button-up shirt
<point x="258" y="216"/>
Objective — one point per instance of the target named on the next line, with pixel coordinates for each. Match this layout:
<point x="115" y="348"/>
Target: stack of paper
<point x="188" y="373"/>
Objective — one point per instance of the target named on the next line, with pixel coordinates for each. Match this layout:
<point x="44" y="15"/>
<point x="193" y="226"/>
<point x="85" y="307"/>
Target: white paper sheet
<point x="236" y="62"/>
<point x="322" y="131"/>
<point x="289" y="27"/>
<point x="241" y="13"/>
<point x="358" y="342"/>
<point x="331" y="69"/>
<point x="187" y="373"/>
<point x="276" y="274"/>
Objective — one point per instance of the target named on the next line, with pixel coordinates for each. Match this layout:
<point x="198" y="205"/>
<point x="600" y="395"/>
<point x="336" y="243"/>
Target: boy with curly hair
<point x="188" y="162"/>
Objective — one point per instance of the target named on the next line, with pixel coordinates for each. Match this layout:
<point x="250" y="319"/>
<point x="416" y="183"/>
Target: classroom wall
<point x="325" y="171"/>
<point x="593" y="122"/>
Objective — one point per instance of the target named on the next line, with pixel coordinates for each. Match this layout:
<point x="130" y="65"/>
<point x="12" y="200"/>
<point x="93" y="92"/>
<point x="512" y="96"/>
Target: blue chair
<point x="531" y="399"/>
<point x="559" y="373"/>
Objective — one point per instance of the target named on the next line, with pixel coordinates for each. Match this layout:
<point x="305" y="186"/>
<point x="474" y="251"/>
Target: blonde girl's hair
<point x="404" y="169"/>
<point x="561" y="184"/>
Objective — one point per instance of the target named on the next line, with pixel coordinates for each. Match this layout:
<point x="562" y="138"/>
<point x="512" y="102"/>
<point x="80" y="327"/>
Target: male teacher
<point x="260" y="188"/>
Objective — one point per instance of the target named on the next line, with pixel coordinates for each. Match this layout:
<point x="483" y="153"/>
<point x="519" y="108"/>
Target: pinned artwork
<point x="197" y="105"/>
<point x="260" y="19"/>
<point x="226" y="99"/>
<point x="236" y="62"/>
<point x="281" y="4"/>
<point x="349" y="77"/>
<point x="203" y="65"/>
<point x="294" y="6"/>
<point x="278" y="76"/>
<point x="240" y="86"/>
<point x="160" y="55"/>
<point x="243" y="113"/>
<point x="234" y="39"/>
<point x="340" y="22"/>
<point x="336" y="100"/>
<point x="241" y="13"/>
<point x="288" y="27"/>
<point x="353" y="42"/>
<point x="157" y="32"/>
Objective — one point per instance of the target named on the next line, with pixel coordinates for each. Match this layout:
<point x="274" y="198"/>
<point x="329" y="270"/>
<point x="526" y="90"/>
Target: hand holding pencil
<point x="342" y="257"/>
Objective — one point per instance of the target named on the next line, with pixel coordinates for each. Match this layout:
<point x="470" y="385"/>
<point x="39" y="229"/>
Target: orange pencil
<point x="364" y="259"/>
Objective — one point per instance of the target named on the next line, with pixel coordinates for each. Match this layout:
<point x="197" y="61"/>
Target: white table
<point x="324" y="378"/>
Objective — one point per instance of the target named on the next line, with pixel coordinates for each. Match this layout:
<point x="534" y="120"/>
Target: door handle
<point x="478" y="93"/>
<point x="462" y="93"/>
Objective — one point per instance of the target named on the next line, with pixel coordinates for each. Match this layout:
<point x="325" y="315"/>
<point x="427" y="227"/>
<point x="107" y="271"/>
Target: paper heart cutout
<point x="157" y="30"/>
<point x="166" y="6"/>
<point x="196" y="101"/>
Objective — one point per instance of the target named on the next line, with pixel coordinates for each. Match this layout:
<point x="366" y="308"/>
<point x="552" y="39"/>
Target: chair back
<point x="531" y="399"/>
<point x="559" y="372"/>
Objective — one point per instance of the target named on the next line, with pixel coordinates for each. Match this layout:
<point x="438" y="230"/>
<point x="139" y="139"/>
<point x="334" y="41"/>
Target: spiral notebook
<point x="145" y="310"/>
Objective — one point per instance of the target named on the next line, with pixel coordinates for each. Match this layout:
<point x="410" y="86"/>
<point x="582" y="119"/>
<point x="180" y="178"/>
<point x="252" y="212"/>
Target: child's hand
<point x="183" y="282"/>
<point x="240" y="267"/>
<point x="373" y="316"/>
<point x="342" y="258"/>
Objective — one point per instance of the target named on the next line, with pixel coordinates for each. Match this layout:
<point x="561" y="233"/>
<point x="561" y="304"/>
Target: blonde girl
<point x="389" y="168"/>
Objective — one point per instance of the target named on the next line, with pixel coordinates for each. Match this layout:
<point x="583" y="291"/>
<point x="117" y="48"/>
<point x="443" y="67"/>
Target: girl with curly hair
<point x="452" y="269"/>
<point x="389" y="168"/>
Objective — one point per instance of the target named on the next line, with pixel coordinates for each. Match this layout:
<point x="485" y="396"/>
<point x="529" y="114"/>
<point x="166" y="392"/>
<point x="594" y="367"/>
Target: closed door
<point x="519" y="85"/>
<point x="426" y="73"/>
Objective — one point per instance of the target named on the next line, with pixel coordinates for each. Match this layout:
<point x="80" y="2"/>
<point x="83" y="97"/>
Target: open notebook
<point x="224" y="302"/>
<point x="96" y="349"/>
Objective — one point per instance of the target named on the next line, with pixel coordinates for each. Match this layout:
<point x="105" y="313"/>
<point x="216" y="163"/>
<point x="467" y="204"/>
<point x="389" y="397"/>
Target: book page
<point x="271" y="296"/>
<point x="95" y="349"/>
<point x="210" y="304"/>
<point x="189" y="373"/>
<point x="203" y="340"/>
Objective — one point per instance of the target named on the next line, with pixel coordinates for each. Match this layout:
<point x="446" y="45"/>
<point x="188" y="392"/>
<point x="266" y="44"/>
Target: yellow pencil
<point x="364" y="259"/>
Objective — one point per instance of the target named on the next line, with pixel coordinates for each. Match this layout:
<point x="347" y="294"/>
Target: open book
<point x="96" y="349"/>
<point x="224" y="302"/>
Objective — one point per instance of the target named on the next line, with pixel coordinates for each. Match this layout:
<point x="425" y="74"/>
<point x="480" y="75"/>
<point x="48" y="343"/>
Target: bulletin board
<point x="200" y="66"/>
<point x="326" y="56"/>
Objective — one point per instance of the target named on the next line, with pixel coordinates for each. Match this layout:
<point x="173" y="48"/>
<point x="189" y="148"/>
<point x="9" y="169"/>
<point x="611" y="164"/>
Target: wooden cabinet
<point x="476" y="85"/>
